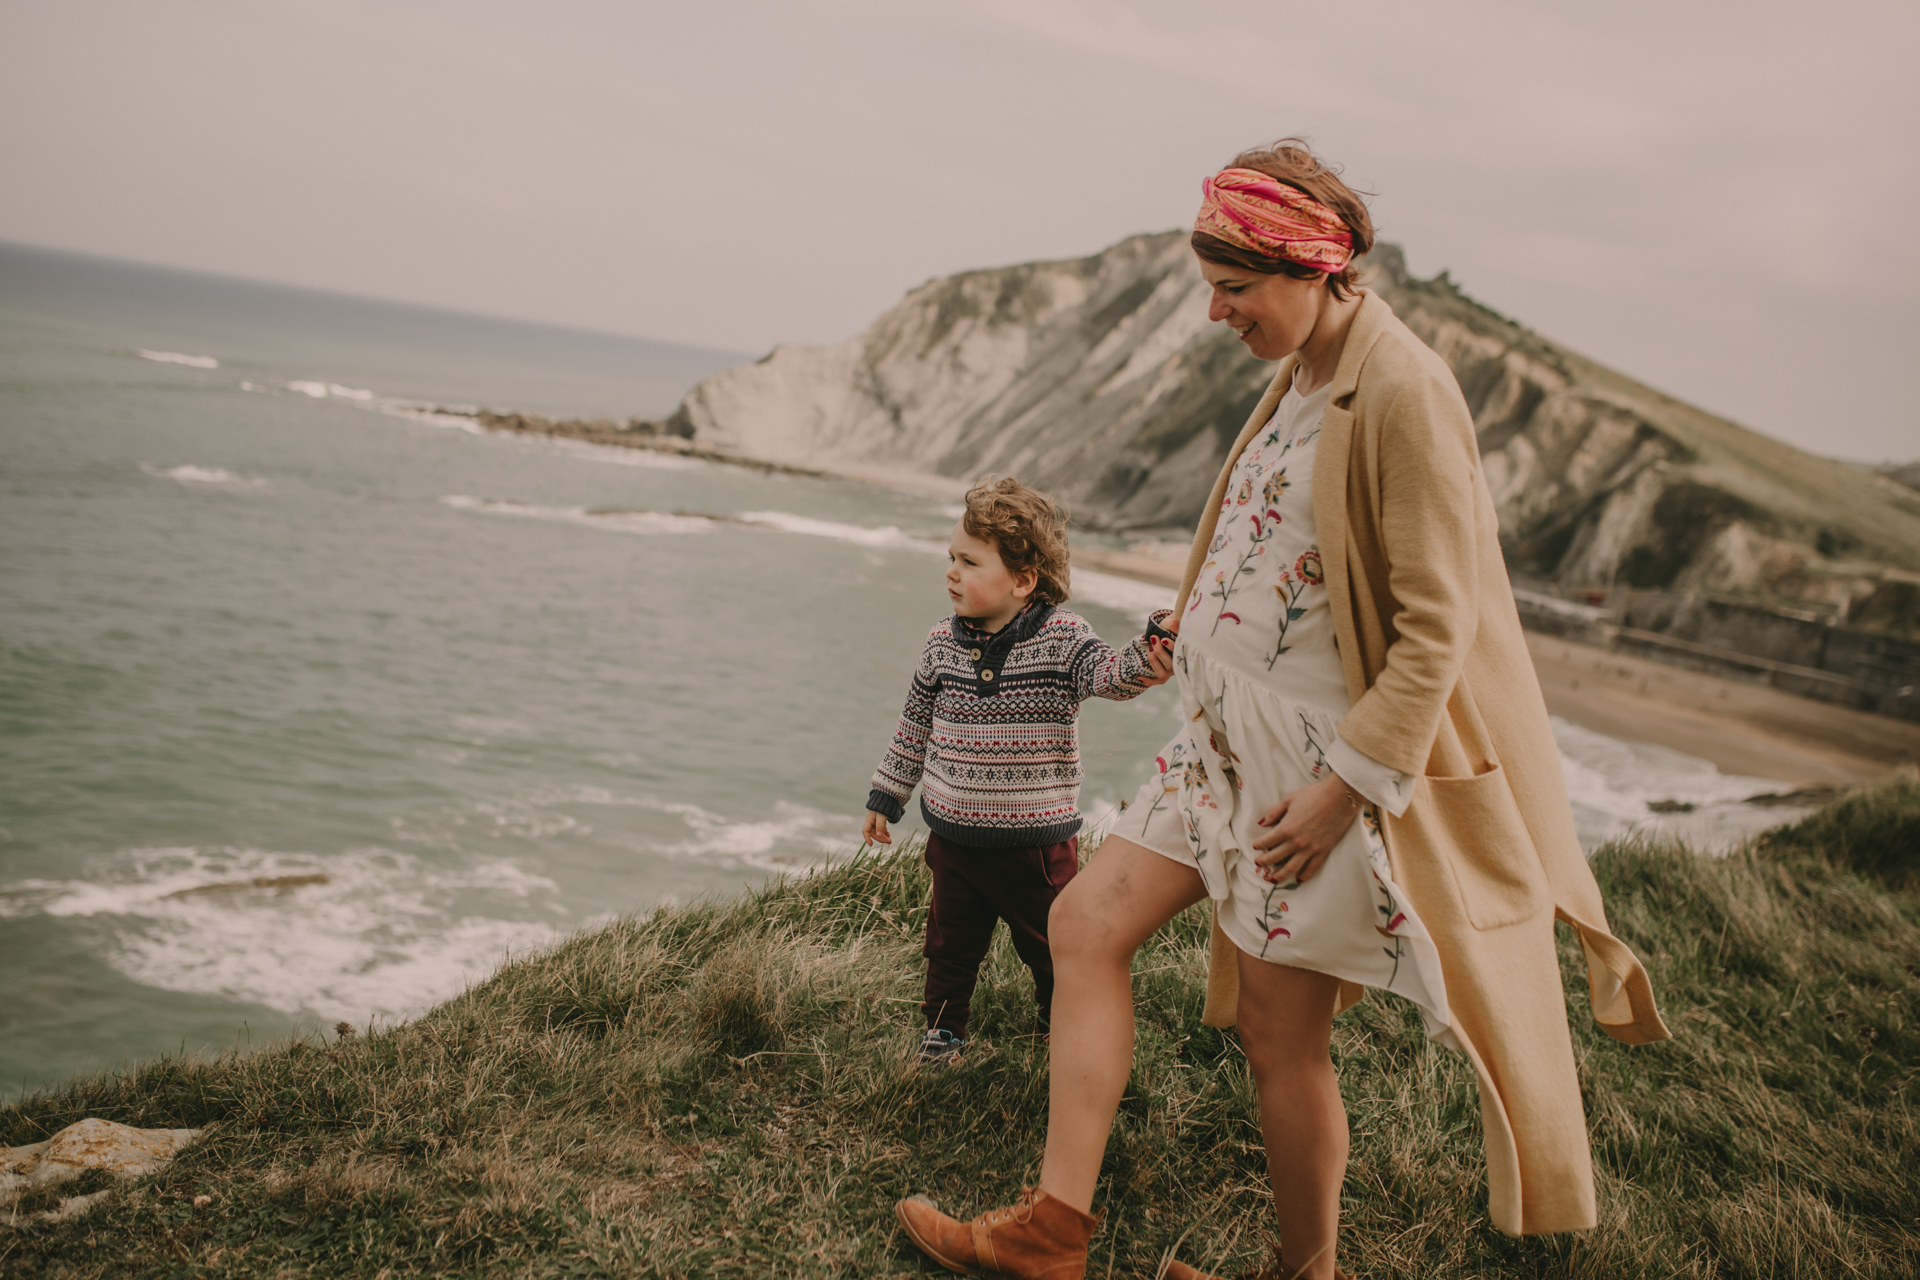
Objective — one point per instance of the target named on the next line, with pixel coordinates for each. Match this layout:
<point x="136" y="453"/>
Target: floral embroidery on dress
<point x="1276" y="486"/>
<point x="1224" y="585"/>
<point x="1167" y="785"/>
<point x="1293" y="584"/>
<point x="1193" y="777"/>
<point x="1270" y="915"/>
<point x="1312" y="743"/>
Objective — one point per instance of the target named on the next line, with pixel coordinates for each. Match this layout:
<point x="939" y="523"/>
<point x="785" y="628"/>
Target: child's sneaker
<point x="940" y="1046"/>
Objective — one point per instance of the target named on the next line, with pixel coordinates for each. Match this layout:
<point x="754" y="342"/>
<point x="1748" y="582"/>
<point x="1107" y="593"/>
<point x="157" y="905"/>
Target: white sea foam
<point x="1125" y="595"/>
<point x="1612" y="783"/>
<point x="859" y="535"/>
<point x="645" y="522"/>
<point x="389" y="935"/>
<point x="322" y="390"/>
<point x="617" y="455"/>
<point x="190" y="474"/>
<point x="794" y="837"/>
<point x="426" y="414"/>
<point x="175" y="357"/>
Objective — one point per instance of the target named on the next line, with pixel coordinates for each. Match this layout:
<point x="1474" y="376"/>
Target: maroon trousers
<point x="973" y="888"/>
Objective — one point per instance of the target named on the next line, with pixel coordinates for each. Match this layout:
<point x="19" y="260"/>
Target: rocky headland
<point x="1101" y="379"/>
<point x="1630" y="519"/>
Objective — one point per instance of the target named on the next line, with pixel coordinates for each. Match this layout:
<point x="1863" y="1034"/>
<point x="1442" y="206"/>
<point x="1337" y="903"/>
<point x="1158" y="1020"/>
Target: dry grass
<point x="722" y="1091"/>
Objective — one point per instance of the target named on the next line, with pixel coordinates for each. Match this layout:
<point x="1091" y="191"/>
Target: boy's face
<point x="979" y="583"/>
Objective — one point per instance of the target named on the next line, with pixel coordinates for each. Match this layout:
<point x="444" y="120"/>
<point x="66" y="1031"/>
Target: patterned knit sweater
<point x="991" y="725"/>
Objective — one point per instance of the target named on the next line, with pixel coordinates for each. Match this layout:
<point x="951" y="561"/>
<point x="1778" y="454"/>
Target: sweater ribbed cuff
<point x="888" y="807"/>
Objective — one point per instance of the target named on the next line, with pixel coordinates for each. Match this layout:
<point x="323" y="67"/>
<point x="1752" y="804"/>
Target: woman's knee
<point x="1285" y="1017"/>
<point x="1275" y="1052"/>
<point x="1116" y="902"/>
<point x="1076" y="927"/>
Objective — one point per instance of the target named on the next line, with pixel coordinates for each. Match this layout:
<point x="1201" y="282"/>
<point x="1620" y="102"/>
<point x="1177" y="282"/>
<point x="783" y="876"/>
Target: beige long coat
<point x="1443" y="690"/>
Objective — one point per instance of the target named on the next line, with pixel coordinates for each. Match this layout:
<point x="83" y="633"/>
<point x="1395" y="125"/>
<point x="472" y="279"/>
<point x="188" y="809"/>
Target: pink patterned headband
<point x="1246" y="208"/>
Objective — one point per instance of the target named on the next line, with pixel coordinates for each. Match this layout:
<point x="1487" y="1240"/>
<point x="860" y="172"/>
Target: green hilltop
<point x="721" y="1090"/>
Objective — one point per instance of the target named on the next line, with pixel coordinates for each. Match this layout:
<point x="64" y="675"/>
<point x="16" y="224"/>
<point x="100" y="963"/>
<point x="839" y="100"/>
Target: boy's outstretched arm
<point x="1101" y="671"/>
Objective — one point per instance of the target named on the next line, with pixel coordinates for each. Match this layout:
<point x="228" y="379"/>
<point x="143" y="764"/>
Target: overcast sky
<point x="1718" y="199"/>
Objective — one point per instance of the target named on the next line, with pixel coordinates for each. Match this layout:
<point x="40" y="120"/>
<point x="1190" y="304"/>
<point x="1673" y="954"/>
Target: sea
<point x="316" y="703"/>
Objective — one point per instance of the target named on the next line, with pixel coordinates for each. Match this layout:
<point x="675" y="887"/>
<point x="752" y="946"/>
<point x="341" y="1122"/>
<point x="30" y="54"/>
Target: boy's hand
<point x="1160" y="656"/>
<point x="875" y="832"/>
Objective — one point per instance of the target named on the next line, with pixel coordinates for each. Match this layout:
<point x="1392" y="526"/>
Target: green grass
<point x="721" y="1091"/>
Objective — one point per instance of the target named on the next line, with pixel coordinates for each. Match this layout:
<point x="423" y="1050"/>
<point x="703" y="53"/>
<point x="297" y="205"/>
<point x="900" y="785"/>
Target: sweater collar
<point x="1024" y="625"/>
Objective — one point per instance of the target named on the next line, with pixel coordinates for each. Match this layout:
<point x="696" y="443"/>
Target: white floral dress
<point x="1263" y="691"/>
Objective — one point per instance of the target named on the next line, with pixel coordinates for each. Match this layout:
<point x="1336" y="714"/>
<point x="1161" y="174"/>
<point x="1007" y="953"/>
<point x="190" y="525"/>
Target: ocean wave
<point x="612" y="520"/>
<point x="859" y="535"/>
<point x="794" y="838"/>
<point x="323" y="390"/>
<point x="175" y="357"/>
<point x="425" y="414"/>
<point x="387" y="935"/>
<point x="1613" y="785"/>
<point x="1123" y="595"/>
<point x="616" y="454"/>
<point x="188" y="473"/>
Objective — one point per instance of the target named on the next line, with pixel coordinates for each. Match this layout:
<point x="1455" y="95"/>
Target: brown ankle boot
<point x="1035" y="1238"/>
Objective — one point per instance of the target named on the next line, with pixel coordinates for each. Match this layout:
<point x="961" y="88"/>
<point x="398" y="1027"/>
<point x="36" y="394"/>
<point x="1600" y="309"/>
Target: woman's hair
<point x="1028" y="528"/>
<point x="1291" y="161"/>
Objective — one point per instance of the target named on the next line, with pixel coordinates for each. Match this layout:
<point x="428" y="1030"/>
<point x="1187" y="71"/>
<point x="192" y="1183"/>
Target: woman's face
<point x="1273" y="314"/>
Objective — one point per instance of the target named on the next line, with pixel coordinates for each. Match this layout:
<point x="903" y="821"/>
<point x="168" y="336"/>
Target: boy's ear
<point x="1026" y="582"/>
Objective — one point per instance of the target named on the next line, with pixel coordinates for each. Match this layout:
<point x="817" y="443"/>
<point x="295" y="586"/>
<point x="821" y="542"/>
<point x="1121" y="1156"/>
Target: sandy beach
<point x="1742" y="727"/>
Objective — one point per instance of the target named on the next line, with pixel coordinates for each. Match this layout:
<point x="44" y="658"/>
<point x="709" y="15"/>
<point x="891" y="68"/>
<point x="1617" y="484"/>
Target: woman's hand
<point x="1307" y="824"/>
<point x="875" y="832"/>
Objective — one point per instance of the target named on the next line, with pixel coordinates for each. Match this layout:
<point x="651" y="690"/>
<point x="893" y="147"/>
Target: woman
<point x="1367" y="786"/>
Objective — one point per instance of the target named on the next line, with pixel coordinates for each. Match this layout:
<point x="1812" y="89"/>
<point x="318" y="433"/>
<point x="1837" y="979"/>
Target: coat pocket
<point x="1488" y="849"/>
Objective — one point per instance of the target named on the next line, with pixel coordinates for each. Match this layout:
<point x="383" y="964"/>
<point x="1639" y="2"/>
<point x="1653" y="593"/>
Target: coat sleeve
<point x="1429" y="469"/>
<point x="906" y="756"/>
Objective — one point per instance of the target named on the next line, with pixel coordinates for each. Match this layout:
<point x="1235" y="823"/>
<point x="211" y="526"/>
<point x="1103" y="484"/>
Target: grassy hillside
<point x="721" y="1091"/>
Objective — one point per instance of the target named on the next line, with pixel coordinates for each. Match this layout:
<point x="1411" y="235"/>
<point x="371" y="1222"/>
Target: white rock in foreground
<point x="118" y="1149"/>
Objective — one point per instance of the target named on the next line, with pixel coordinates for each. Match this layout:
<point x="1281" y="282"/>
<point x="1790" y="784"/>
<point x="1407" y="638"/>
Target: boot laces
<point x="1020" y="1211"/>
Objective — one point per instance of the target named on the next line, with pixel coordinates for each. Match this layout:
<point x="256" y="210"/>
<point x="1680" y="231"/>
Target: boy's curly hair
<point x="1027" y="527"/>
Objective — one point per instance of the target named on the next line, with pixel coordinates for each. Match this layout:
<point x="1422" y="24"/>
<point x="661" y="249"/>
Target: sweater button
<point x="975" y="655"/>
<point x="986" y="675"/>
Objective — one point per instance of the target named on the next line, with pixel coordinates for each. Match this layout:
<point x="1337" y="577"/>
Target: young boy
<point x="990" y="724"/>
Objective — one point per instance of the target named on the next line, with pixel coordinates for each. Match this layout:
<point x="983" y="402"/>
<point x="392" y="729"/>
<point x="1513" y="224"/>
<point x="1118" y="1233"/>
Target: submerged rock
<point x="258" y="882"/>
<point x="82" y="1147"/>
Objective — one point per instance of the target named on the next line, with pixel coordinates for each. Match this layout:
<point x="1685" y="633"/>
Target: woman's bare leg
<point x="1097" y="923"/>
<point x="1286" y="1025"/>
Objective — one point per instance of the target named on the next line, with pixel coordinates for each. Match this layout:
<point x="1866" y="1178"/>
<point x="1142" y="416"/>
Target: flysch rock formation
<point x="1101" y="379"/>
<point x="86" y="1145"/>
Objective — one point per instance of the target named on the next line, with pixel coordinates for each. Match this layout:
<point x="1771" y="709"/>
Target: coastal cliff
<point x="1100" y="378"/>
